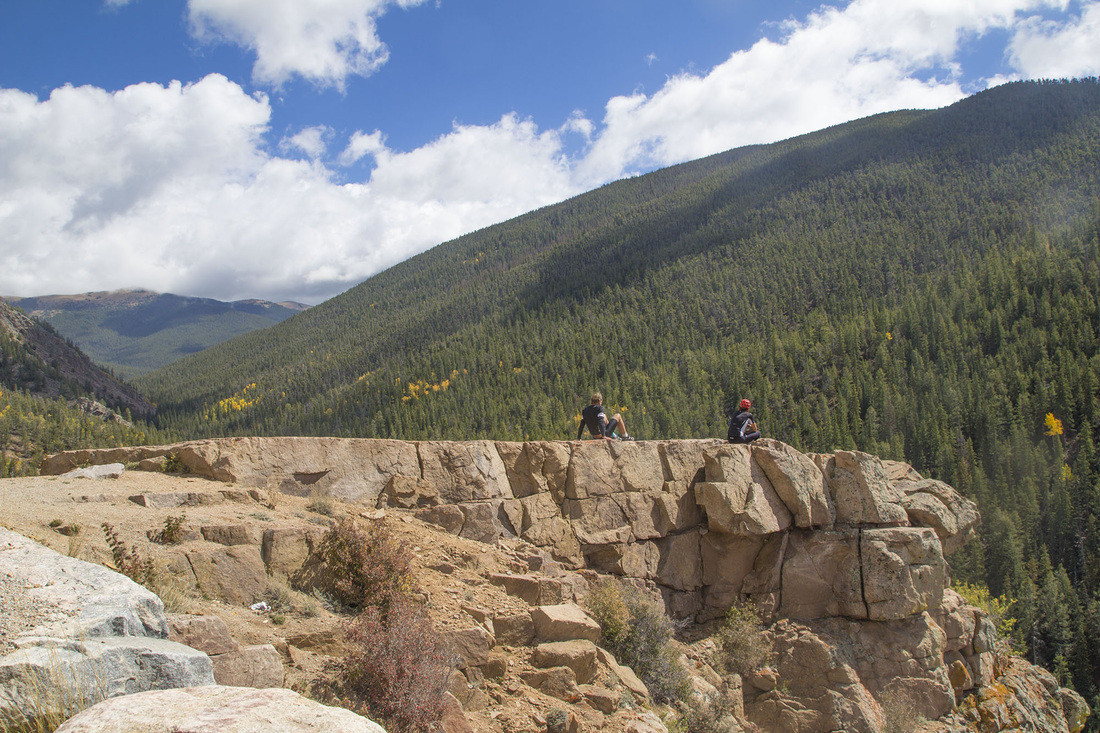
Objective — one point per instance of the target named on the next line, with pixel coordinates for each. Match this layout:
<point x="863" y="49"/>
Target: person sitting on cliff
<point x="743" y="427"/>
<point x="596" y="421"/>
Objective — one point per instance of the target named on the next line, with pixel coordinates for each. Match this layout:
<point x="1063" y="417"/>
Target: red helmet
<point x="745" y="404"/>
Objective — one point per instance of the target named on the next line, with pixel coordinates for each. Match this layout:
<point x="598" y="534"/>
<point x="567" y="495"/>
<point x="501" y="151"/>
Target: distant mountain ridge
<point x="37" y="360"/>
<point x="135" y="331"/>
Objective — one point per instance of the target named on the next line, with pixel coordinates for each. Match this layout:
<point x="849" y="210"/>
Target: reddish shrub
<point x="395" y="669"/>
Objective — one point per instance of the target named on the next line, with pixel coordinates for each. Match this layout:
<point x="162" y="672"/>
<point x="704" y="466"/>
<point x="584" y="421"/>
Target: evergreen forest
<point x="922" y="285"/>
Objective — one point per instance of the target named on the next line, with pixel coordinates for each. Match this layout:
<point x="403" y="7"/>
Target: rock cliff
<point x="843" y="553"/>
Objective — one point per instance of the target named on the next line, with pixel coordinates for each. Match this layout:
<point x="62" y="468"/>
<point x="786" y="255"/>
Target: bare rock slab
<point x="564" y="622"/>
<point x="251" y="666"/>
<point x="215" y="709"/>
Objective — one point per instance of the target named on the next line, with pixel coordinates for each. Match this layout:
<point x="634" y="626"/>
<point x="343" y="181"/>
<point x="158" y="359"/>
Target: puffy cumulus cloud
<point x="324" y="41"/>
<point x="171" y="188"/>
<point x="1055" y="49"/>
<point x="835" y="65"/>
<point x="310" y="141"/>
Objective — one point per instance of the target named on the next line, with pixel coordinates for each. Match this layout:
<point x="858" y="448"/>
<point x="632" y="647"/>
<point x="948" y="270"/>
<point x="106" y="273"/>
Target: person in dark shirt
<point x="743" y="428"/>
<point x="593" y="418"/>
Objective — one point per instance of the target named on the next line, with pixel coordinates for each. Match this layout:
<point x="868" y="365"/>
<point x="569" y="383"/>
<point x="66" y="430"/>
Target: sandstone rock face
<point x="844" y="552"/>
<point x="214" y="709"/>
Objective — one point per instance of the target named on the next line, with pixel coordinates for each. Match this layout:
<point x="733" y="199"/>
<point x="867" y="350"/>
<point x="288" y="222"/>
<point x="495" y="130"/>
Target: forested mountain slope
<point x="136" y="331"/>
<point x="53" y="398"/>
<point x="921" y="284"/>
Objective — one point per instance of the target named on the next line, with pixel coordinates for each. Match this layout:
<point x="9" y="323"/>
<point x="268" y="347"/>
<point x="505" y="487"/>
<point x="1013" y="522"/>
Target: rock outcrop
<point x="843" y="553"/>
<point x="99" y="635"/>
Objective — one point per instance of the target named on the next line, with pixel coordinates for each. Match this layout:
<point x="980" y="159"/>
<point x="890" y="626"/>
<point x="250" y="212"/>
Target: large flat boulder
<point x="216" y="709"/>
<point x="90" y="600"/>
<point x="564" y="622"/>
<point x="52" y="677"/>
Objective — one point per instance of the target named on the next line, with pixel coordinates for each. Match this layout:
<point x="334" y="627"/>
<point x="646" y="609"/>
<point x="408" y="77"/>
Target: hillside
<point x="135" y="331"/>
<point x="922" y="285"/>
<point x="52" y="397"/>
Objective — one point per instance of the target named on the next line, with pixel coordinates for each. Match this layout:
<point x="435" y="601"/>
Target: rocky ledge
<point x="843" y="553"/>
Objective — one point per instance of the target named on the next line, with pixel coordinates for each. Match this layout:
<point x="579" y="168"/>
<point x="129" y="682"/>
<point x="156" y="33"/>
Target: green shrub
<point x="127" y="560"/>
<point x="174" y="464"/>
<point x="171" y="531"/>
<point x="636" y="630"/>
<point x="742" y="645"/>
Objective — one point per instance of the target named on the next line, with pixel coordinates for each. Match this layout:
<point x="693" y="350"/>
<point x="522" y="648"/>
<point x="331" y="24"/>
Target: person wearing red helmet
<point x="743" y="428"/>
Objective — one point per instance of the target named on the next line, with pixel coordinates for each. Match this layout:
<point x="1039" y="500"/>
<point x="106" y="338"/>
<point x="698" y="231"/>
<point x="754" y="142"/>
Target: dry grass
<point x="54" y="696"/>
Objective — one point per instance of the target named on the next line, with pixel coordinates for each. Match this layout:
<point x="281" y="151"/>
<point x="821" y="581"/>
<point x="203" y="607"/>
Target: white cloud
<point x="361" y="145"/>
<point x="1052" y="49"/>
<point x="323" y="41"/>
<point x="833" y="66"/>
<point x="310" y="141"/>
<point x="170" y="188"/>
<point x="175" y="188"/>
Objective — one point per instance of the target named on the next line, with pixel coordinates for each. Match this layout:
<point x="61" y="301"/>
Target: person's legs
<point x="611" y="427"/>
<point x="618" y="419"/>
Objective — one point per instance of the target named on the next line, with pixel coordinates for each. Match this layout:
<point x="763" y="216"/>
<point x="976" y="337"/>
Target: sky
<point x="290" y="149"/>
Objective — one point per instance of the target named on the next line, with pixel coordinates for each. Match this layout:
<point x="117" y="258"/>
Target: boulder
<point x="250" y="666"/>
<point x="91" y="600"/>
<point x="798" y="481"/>
<point x="484" y="521"/>
<point x="109" y="470"/>
<point x="473" y="645"/>
<point x="579" y="655"/>
<point x="208" y="634"/>
<point x="514" y="629"/>
<point x="57" y="676"/>
<point x="934" y="504"/>
<point x="861" y="492"/>
<point x="231" y="534"/>
<point x="215" y="709"/>
<point x="285" y="550"/>
<point x="559" y="682"/>
<point x="564" y="622"/>
<point x="738" y="497"/>
<point x="605" y="467"/>
<point x="236" y="575"/>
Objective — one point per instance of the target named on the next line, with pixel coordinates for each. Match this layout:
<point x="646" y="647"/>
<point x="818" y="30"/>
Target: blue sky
<point x="288" y="149"/>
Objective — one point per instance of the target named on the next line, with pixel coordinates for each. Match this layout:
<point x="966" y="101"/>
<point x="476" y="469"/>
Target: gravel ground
<point x="19" y="611"/>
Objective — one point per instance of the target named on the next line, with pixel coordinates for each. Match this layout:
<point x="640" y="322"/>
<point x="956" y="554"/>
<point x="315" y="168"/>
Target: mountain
<point x="134" y="331"/>
<point x="53" y="398"/>
<point x="923" y="285"/>
<point x="663" y="290"/>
